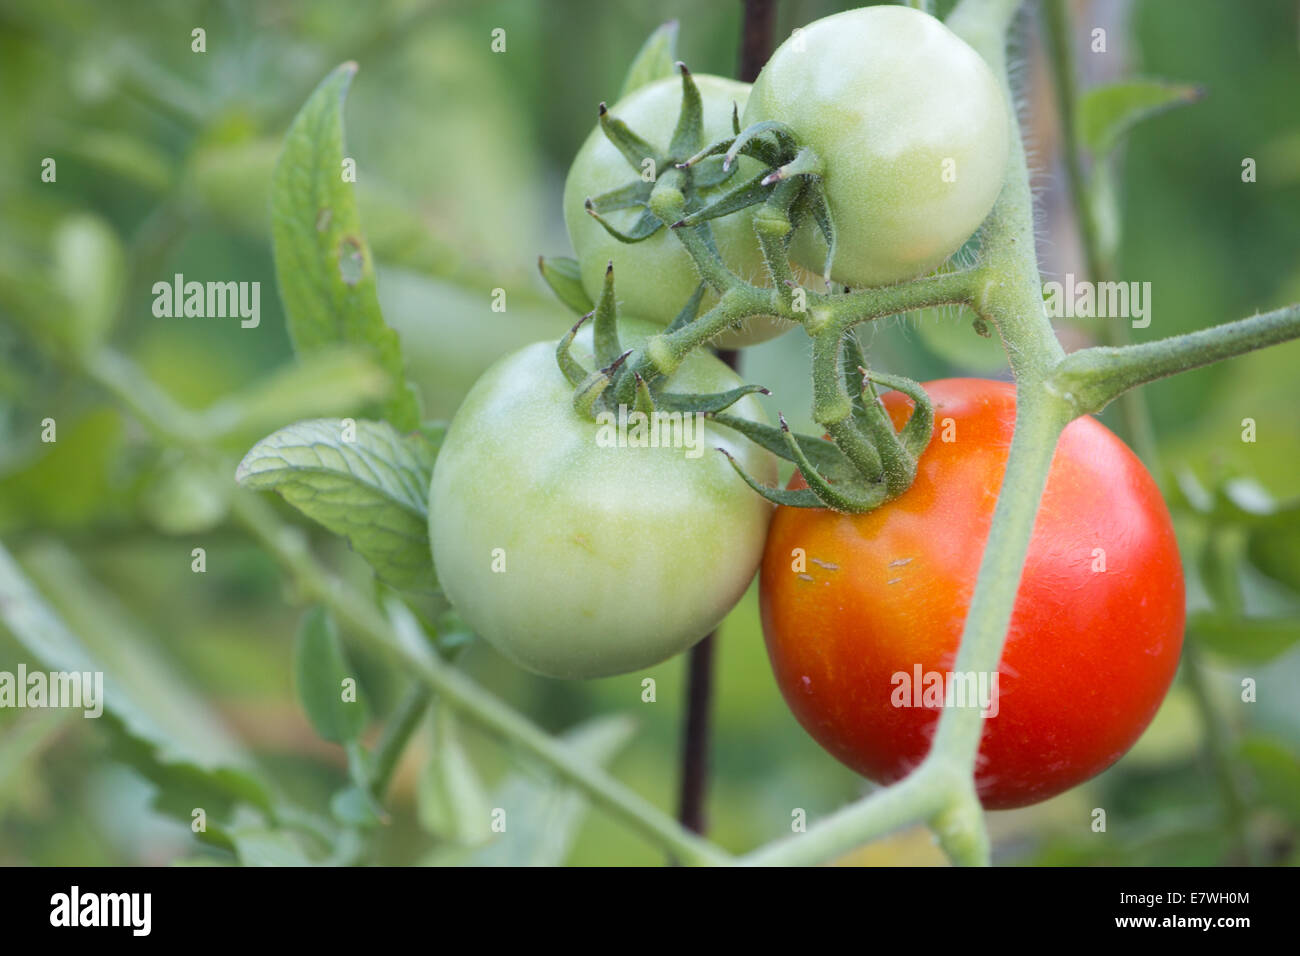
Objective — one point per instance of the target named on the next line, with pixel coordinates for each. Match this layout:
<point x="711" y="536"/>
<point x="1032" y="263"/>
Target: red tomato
<point x="1095" y="634"/>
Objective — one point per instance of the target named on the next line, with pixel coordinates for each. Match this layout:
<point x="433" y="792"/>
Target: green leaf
<point x="322" y="263"/>
<point x="370" y="485"/>
<point x="1107" y="112"/>
<point x="542" y="815"/>
<point x="452" y="804"/>
<point x="1245" y="640"/>
<point x="565" y="279"/>
<point x="320" y="670"/>
<point x="1277" y="770"/>
<point x="656" y="59"/>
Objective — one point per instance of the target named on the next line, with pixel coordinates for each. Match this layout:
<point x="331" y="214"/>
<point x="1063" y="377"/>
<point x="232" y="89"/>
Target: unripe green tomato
<point x="654" y="278"/>
<point x="913" y="131"/>
<point x="578" y="558"/>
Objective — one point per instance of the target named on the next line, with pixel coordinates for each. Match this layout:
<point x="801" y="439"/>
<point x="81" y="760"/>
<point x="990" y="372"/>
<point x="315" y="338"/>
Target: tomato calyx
<point x="653" y="167"/>
<point x="614" y="383"/>
<point x="790" y="163"/>
<point x="868" y="463"/>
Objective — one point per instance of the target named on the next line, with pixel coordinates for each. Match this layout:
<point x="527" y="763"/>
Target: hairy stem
<point x="1091" y="379"/>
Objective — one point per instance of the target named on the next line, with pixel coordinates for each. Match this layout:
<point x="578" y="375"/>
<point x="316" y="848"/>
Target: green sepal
<point x="709" y="403"/>
<point x="634" y="149"/>
<point x="805" y="163"/>
<point x="635" y="193"/>
<point x="588" y="393"/>
<point x="839" y="498"/>
<point x="563" y="276"/>
<point x="790" y="497"/>
<point x="787" y="144"/>
<point x="915" y="435"/>
<point x="605" y="322"/>
<point x="644" y="402"/>
<point x="710" y="172"/>
<point x="570" y="366"/>
<point x="690" y="121"/>
<point x="814" y="199"/>
<point x="647" y="225"/>
<point x="746" y="194"/>
<point x="713" y="149"/>
<point x="826" y="456"/>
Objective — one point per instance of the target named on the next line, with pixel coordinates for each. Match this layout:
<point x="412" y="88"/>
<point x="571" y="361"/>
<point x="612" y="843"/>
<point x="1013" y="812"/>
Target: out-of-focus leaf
<point x="372" y="491"/>
<point x="256" y="846"/>
<point x="89" y="264"/>
<point x="334" y="381"/>
<point x="161" y="726"/>
<point x="452" y="805"/>
<point x="542" y="815"/>
<point x="562" y="275"/>
<point x="1245" y="640"/>
<point x="656" y="59"/>
<point x="20" y="745"/>
<point x="151" y="700"/>
<point x="1277" y="771"/>
<point x="73" y="481"/>
<point x="323" y="265"/>
<point x="1275" y="551"/>
<point x="1107" y="112"/>
<point x="320" y="669"/>
<point x="1217" y="563"/>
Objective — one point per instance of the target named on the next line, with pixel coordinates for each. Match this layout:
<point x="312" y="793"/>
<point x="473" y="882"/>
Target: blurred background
<point x="164" y="162"/>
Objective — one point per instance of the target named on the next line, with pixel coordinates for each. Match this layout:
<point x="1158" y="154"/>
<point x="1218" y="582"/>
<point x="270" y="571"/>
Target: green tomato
<point x="654" y="278"/>
<point x="912" y="129"/>
<point x="576" y="557"/>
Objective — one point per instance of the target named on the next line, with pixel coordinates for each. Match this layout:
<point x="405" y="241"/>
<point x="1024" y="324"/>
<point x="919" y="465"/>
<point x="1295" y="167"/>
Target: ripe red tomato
<point x="1095" y="635"/>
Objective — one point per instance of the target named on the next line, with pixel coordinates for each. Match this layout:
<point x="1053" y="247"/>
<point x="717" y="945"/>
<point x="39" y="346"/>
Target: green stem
<point x="1039" y="422"/>
<point x="1091" y="379"/>
<point x="397" y="734"/>
<point x="1135" y="416"/>
<point x="1217" y="736"/>
<point x="288" y="546"/>
<point x="913" y="799"/>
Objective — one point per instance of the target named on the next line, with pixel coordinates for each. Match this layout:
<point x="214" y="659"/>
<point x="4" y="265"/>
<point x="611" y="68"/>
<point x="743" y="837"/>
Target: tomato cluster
<point x="579" y="550"/>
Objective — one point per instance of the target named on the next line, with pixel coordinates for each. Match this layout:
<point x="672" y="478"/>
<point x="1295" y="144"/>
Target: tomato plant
<point x="911" y="129"/>
<point x="575" y="552"/>
<point x="859" y="610"/>
<point x="656" y="275"/>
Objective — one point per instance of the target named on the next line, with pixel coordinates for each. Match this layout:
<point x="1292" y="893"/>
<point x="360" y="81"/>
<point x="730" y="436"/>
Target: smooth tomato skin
<point x="615" y="558"/>
<point x="1089" y="654"/>
<point x="913" y="130"/>
<point x="654" y="278"/>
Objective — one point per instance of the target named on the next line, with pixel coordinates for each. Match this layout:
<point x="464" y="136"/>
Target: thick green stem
<point x="1091" y="379"/>
<point x="1039" y="422"/>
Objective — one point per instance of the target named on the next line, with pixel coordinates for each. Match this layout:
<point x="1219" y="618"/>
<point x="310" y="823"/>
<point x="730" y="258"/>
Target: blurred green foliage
<point x="164" y="161"/>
